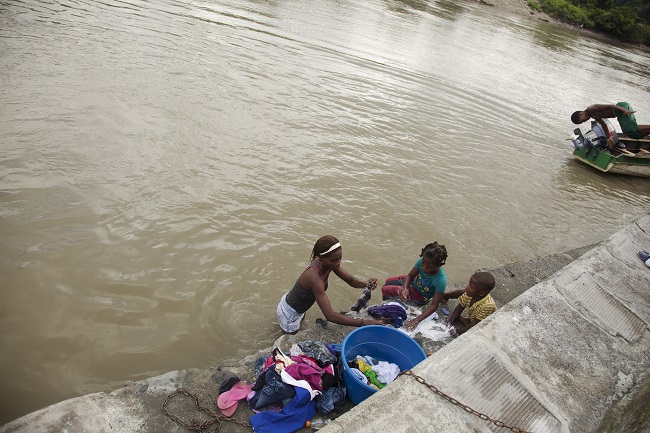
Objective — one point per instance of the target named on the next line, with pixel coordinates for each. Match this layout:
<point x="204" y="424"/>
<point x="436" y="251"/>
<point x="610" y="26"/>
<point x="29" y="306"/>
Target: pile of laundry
<point x="376" y="374"/>
<point x="289" y="388"/>
<point x="395" y="311"/>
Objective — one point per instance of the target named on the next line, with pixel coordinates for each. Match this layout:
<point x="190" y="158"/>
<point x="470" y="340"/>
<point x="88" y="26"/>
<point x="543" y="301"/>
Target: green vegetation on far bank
<point x="626" y="20"/>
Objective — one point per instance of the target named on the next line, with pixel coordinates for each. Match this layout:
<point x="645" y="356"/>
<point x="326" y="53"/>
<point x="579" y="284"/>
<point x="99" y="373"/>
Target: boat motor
<point x="595" y="138"/>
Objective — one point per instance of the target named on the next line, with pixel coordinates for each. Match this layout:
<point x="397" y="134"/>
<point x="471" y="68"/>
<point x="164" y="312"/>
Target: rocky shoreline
<point x="519" y="7"/>
<point x="516" y="6"/>
<point x="180" y="401"/>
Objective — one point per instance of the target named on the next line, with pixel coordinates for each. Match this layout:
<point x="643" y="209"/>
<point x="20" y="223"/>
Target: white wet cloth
<point x="386" y="371"/>
<point x="287" y="378"/>
<point x="429" y="328"/>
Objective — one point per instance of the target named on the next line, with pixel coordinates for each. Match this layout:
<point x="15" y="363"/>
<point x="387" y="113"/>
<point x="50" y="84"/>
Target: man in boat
<point x="623" y="113"/>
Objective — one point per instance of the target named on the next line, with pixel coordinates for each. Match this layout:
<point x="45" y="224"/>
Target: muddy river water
<point x="167" y="165"/>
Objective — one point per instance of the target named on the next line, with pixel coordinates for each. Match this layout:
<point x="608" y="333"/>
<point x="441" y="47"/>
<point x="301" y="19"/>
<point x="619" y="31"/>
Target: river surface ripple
<point x="166" y="166"/>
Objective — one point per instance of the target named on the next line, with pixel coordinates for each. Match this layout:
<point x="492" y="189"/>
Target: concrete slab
<point x="552" y="360"/>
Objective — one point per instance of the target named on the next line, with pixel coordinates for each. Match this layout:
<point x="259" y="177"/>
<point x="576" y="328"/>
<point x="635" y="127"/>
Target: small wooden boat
<point x="628" y="156"/>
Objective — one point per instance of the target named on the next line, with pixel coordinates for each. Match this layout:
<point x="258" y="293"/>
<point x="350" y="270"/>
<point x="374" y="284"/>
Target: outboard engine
<point x="587" y="140"/>
<point x="595" y="138"/>
<point x="598" y="129"/>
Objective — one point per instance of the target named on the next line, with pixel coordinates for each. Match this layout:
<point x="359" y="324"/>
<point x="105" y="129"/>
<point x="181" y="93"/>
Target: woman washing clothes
<point x="312" y="284"/>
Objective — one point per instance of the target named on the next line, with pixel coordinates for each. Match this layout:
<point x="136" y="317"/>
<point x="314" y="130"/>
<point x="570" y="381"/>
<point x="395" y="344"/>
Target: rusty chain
<point x="461" y="405"/>
<point x="199" y="426"/>
<point x="194" y="424"/>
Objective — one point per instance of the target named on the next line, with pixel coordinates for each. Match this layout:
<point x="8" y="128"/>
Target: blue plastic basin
<point x="383" y="344"/>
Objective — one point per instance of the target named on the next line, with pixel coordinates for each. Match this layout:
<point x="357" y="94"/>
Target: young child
<point x="476" y="299"/>
<point x="427" y="281"/>
<point x="311" y="286"/>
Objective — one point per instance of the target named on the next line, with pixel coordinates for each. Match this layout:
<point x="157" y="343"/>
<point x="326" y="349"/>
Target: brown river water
<point x="167" y="165"/>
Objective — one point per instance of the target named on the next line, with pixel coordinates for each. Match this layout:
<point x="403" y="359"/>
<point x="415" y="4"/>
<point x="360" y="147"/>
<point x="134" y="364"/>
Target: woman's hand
<point x="372" y="283"/>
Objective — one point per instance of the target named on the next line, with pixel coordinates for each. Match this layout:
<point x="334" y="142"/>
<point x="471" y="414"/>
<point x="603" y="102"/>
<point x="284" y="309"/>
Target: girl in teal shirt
<point x="426" y="282"/>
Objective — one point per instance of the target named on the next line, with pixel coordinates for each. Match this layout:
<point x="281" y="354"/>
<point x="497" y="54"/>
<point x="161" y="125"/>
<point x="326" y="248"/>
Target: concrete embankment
<point x="557" y="358"/>
<point x="571" y="354"/>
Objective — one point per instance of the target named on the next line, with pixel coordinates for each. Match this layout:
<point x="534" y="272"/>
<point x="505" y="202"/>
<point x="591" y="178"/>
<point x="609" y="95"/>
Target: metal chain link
<point x="199" y="426"/>
<point x="194" y="424"/>
<point x="459" y="404"/>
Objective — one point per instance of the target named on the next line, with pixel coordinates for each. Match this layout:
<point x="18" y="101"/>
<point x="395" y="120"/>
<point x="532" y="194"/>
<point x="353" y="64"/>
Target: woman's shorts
<point x="288" y="317"/>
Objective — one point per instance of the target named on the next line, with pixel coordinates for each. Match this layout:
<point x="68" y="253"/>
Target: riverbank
<point x="137" y="406"/>
<point x="520" y="7"/>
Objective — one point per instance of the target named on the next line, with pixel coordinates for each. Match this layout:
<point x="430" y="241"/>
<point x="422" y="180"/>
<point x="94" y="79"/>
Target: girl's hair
<point x="323" y="244"/>
<point x="435" y="252"/>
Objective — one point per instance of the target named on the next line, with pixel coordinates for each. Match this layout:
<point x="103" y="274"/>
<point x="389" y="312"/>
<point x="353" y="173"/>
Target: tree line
<point x="626" y="20"/>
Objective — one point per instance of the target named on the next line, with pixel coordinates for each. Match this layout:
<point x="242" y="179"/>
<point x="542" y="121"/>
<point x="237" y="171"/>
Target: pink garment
<point x="305" y="360"/>
<point x="302" y="371"/>
<point x="329" y="368"/>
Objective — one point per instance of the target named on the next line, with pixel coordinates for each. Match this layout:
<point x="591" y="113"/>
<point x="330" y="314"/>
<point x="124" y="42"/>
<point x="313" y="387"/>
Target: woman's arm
<point x="316" y="284"/>
<point x="353" y="281"/>
<point x="334" y="317"/>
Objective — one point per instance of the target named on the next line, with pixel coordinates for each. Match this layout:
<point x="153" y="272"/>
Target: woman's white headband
<point x="332" y="248"/>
